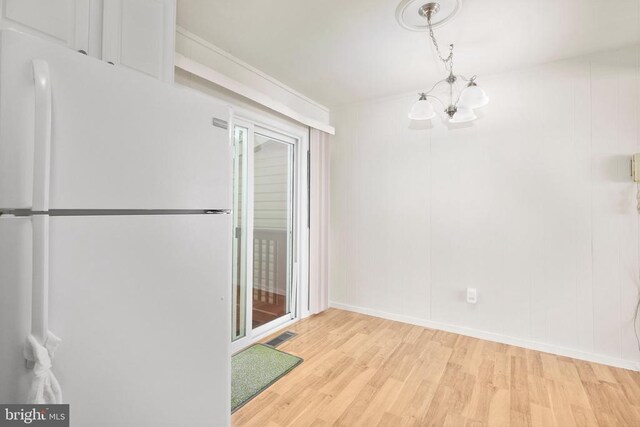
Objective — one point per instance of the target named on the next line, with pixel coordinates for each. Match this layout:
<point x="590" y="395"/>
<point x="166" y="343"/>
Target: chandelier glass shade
<point x="461" y="101"/>
<point x="463" y="115"/>
<point x="422" y="109"/>
<point x="473" y="96"/>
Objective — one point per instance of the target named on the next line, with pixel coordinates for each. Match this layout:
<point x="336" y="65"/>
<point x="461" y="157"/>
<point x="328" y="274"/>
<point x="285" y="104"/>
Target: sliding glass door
<point x="264" y="230"/>
<point x="272" y="228"/>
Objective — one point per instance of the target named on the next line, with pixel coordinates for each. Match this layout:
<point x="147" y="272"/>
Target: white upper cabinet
<point x="138" y="34"/>
<point x="60" y="21"/>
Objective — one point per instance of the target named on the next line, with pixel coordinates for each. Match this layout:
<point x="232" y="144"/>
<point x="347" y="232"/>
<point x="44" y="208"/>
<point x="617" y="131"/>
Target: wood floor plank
<point x="560" y="404"/>
<point x="542" y="416"/>
<point x="480" y="404"/>
<point x="390" y="420"/>
<point x="499" y="408"/>
<point x="362" y="370"/>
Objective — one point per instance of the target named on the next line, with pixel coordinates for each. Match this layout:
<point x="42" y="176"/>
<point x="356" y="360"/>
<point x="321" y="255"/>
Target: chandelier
<point x="464" y="95"/>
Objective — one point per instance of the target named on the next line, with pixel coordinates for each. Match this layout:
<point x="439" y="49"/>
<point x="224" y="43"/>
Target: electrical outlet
<point x="472" y="295"/>
<point x="635" y="167"/>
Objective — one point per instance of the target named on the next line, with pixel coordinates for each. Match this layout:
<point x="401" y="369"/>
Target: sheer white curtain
<point x="319" y="226"/>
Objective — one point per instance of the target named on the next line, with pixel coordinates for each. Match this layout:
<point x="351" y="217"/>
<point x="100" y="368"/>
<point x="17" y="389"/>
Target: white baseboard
<point x="491" y="336"/>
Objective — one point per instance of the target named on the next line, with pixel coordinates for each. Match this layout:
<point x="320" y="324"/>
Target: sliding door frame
<point x="299" y="288"/>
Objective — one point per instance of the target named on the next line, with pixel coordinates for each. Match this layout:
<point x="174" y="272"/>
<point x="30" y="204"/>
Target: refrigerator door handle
<point x="40" y="203"/>
<point x="41" y="344"/>
<point x="40" y="278"/>
<point x="42" y="136"/>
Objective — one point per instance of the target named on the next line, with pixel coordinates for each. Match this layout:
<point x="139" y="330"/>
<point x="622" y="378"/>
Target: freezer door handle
<point x="42" y="136"/>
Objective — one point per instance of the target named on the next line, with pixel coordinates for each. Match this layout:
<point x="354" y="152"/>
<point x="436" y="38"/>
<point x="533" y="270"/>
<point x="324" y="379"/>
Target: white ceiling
<point x="340" y="51"/>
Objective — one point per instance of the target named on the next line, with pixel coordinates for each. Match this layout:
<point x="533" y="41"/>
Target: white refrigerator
<point x="115" y="235"/>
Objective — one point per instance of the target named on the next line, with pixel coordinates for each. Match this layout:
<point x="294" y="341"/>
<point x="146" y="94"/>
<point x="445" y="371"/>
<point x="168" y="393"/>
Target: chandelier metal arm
<point x="436" y="85"/>
<point x="461" y="77"/>
<point x="473" y="78"/>
<point x="450" y="80"/>
<point x="437" y="99"/>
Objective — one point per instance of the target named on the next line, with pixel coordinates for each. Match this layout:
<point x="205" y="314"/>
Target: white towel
<point x="45" y="388"/>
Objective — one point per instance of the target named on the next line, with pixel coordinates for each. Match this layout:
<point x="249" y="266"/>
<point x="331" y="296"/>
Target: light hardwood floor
<point x="362" y="370"/>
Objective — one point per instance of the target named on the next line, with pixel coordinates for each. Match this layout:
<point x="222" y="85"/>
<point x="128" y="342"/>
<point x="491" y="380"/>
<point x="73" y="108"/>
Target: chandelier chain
<point x="448" y="61"/>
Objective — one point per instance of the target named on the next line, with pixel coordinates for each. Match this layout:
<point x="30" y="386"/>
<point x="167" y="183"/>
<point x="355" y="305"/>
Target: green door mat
<point x="254" y="369"/>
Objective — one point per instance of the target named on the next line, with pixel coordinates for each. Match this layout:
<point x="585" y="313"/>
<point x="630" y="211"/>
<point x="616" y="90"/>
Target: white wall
<point x="532" y="205"/>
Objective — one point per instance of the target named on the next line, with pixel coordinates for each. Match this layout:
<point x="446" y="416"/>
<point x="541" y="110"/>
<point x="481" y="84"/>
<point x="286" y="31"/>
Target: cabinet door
<point x="61" y="21"/>
<point x="140" y="34"/>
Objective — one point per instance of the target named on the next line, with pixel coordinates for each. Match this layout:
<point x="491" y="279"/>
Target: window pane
<point x="273" y="226"/>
